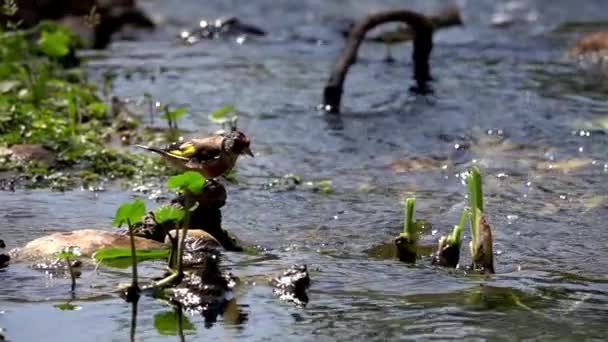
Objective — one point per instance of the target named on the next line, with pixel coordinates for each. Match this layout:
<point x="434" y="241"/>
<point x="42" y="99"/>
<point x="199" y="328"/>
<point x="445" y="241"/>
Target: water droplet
<point x="580" y="149"/>
<point x="456" y="146"/>
<point x="203" y="23"/>
<point x="502" y="175"/>
<point x="511" y="218"/>
<point x="184" y="34"/>
<point x="335" y="217"/>
<point x="240" y="40"/>
<point x="562" y="197"/>
<point x="433" y="232"/>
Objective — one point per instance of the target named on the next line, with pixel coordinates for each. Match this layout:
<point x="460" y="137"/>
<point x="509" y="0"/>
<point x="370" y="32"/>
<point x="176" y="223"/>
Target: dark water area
<point x="506" y="99"/>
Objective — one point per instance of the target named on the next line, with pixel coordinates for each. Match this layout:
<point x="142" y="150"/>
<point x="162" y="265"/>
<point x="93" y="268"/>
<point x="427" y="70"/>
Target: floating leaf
<point x="190" y="180"/>
<point x="166" y="323"/>
<point x="168" y="213"/>
<point x="67" y="307"/>
<point x="121" y="257"/>
<point x="130" y="213"/>
<point x="54" y="44"/>
<point x="219" y="116"/>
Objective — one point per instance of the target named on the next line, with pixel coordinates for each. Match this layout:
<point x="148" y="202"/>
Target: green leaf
<point x="168" y="213"/>
<point x="121" y="257"/>
<point x="67" y="307"/>
<point x="97" y="108"/>
<point x="190" y="180"/>
<point x="54" y="44"/>
<point x="166" y="323"/>
<point x="130" y="213"/>
<point x="174" y="114"/>
<point x="219" y="116"/>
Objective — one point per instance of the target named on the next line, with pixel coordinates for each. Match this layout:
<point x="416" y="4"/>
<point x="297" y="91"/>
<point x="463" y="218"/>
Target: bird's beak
<point x="248" y="152"/>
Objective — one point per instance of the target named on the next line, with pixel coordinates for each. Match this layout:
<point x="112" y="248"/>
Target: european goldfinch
<point x="211" y="156"/>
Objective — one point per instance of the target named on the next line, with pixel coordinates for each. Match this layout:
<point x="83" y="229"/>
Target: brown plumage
<point x="212" y="156"/>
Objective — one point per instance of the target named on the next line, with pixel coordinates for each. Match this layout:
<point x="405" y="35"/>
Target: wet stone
<point x="206" y="291"/>
<point x="292" y="285"/>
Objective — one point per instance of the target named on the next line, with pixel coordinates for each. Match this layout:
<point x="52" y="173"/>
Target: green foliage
<point x="130" y="213"/>
<point x="476" y="204"/>
<point x="221" y="115"/>
<point x="409" y="228"/>
<point x="43" y="103"/>
<point x="167" y="323"/>
<point x="167" y="213"/>
<point x="54" y="44"/>
<point x="121" y="257"/>
<point x="190" y="181"/>
<point x="454" y="239"/>
<point x="67" y="307"/>
<point x="175" y="114"/>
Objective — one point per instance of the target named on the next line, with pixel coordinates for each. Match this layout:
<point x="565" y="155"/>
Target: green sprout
<point x="476" y="204"/>
<point x="173" y="115"/>
<point x="190" y="184"/>
<point x="454" y="239"/>
<point x="68" y="254"/>
<point x="131" y="214"/>
<point x="406" y="242"/>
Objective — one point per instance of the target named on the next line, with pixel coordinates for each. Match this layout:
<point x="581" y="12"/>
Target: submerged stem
<point x="134" y="283"/>
<point x="72" y="275"/>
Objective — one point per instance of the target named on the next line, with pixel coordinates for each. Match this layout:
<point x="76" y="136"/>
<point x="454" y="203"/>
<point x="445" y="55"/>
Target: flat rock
<point x="89" y="241"/>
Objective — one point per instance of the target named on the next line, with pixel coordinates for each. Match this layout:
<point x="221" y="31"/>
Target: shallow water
<point x="509" y="95"/>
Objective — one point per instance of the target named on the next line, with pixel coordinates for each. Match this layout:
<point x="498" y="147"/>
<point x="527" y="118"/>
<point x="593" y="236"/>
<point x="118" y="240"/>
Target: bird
<point x="211" y="156"/>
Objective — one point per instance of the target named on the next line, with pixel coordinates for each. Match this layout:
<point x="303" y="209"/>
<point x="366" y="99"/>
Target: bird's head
<point x="238" y="142"/>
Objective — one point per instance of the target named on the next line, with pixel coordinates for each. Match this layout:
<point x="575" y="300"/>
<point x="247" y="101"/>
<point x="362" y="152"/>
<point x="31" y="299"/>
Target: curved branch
<point x="423" y="44"/>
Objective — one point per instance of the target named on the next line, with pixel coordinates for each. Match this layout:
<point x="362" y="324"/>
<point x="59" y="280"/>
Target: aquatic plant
<point x="172" y="116"/>
<point x="131" y="214"/>
<point x="407" y="241"/>
<point x="481" y="235"/>
<point x="189" y="184"/>
<point x="55" y="109"/>
<point x="448" y="249"/>
<point x="68" y="254"/>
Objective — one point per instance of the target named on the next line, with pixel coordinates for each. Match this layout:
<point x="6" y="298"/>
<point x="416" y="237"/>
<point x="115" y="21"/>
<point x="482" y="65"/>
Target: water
<point x="508" y="94"/>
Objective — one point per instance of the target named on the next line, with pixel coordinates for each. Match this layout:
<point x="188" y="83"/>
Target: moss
<point x="43" y="103"/>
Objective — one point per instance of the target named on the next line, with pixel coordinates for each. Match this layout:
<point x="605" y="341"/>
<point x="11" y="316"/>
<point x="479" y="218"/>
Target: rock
<point x="292" y="285"/>
<point x="31" y="152"/>
<point x="89" y="241"/>
<point x="596" y="42"/>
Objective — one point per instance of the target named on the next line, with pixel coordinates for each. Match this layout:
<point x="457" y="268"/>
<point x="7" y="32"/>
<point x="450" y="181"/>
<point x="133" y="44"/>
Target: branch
<point x="423" y="44"/>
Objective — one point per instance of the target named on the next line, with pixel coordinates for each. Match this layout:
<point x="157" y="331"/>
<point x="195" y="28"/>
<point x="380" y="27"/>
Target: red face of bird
<point x="241" y="143"/>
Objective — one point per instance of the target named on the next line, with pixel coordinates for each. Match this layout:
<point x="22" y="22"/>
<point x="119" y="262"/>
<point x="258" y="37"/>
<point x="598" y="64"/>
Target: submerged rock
<point x="292" y="285"/>
<point x="206" y="291"/>
<point x="220" y="28"/>
<point x="4" y="259"/>
<point x="88" y="240"/>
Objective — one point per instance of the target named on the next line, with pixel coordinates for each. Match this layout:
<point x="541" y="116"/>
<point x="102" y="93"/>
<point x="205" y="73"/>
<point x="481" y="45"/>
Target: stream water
<point x="505" y="99"/>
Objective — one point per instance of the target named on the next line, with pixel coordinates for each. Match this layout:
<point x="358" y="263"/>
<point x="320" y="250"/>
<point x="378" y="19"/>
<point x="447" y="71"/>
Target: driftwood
<point x="423" y="44"/>
<point x="447" y="18"/>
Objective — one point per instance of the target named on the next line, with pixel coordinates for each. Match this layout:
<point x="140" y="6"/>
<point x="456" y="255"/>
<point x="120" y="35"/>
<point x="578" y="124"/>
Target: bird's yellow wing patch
<point x="185" y="150"/>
